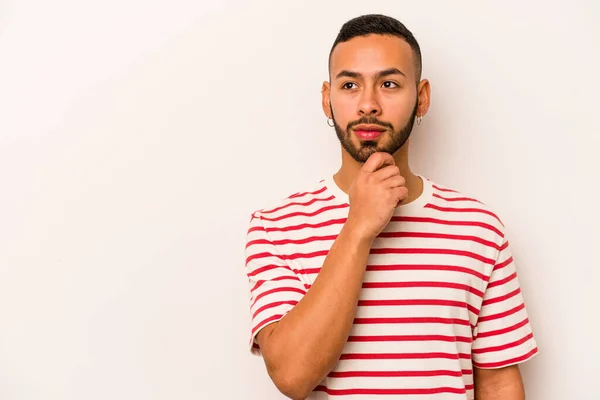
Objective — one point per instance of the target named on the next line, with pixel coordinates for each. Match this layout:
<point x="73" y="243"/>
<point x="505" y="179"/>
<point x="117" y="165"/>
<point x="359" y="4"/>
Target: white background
<point x="136" y="137"/>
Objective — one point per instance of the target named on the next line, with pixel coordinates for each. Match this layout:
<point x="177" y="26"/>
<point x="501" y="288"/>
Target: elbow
<point x="293" y="389"/>
<point x="293" y="384"/>
<point x="285" y="368"/>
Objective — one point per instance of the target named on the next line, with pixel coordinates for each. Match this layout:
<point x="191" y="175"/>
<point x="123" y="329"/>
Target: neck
<point x="350" y="168"/>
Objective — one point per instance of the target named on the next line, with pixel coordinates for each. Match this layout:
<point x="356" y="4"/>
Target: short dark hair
<point x="379" y="25"/>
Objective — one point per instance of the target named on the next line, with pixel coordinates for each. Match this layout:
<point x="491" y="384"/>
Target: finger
<point x="395" y="181"/>
<point x="401" y="193"/>
<point x="386" y="172"/>
<point x="378" y="160"/>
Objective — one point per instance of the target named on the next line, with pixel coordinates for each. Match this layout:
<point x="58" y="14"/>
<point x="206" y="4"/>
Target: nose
<point x="369" y="104"/>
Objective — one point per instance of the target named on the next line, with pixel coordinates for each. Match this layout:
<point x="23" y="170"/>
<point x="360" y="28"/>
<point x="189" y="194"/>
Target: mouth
<point x="368" y="132"/>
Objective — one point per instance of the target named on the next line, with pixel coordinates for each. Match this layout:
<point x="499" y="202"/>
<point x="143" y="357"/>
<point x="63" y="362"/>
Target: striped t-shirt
<point x="440" y="293"/>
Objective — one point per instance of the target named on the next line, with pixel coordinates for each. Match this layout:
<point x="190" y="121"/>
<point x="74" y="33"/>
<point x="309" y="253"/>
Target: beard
<point x="397" y="138"/>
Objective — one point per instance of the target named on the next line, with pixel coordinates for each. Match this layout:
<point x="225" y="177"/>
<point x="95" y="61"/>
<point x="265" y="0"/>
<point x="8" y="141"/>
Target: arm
<point x="499" y="384"/>
<point x="504" y="337"/>
<point x="301" y="349"/>
<point x="305" y="345"/>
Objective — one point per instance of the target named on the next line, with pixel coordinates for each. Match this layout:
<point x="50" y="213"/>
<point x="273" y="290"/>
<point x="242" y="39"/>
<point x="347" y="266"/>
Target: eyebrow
<point x="379" y="75"/>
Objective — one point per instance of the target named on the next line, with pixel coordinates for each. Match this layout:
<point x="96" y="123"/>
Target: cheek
<point x="344" y="104"/>
<point x="398" y="109"/>
<point x="344" y="110"/>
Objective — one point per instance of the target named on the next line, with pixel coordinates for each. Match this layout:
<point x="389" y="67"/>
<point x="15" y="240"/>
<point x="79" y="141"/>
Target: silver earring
<point x="331" y="124"/>
<point x="419" y="119"/>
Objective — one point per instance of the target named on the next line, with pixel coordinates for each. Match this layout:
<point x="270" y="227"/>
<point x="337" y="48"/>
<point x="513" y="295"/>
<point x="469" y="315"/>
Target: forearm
<point x="499" y="384"/>
<point x="307" y="343"/>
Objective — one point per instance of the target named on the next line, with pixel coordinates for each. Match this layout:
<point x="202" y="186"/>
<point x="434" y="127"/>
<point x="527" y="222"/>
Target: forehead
<point x="372" y="53"/>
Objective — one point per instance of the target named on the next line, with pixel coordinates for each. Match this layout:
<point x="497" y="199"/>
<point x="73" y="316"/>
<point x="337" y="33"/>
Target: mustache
<point x="369" y="121"/>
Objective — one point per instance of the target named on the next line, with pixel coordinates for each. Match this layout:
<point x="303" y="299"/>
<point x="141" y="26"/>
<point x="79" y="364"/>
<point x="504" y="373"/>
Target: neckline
<point x="414" y="205"/>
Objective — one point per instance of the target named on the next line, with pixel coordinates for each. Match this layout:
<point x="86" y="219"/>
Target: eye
<point x="347" y="85"/>
<point x="390" y="85"/>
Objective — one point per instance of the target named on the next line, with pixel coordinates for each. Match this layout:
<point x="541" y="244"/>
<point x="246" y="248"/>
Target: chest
<point x="443" y="273"/>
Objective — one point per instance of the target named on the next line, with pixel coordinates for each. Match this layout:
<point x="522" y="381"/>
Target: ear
<point x="325" y="99"/>
<point x="424" y="93"/>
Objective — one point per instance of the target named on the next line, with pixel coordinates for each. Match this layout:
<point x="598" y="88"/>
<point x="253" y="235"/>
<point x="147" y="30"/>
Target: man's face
<point x="372" y="94"/>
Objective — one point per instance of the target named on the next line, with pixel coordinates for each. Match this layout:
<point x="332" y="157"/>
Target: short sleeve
<point x="503" y="335"/>
<point x="274" y="287"/>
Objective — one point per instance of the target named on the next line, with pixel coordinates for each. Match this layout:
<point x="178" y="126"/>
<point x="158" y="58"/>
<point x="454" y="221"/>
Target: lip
<point x="368" y="135"/>
<point x="369" y="128"/>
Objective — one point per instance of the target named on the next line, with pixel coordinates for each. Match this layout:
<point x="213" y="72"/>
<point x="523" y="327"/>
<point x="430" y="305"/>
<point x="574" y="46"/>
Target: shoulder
<point x="453" y="204"/>
<point x="289" y="202"/>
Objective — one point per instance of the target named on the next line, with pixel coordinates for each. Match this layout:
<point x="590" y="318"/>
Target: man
<point x="377" y="282"/>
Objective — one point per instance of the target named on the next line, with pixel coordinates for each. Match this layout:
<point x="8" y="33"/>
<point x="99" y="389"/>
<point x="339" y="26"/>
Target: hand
<point x="374" y="194"/>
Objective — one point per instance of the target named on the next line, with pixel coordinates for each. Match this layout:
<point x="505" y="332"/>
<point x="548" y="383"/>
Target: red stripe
<point x="418" y="267"/>
<point x="308" y="203"/>
<point x="257" y="256"/>
<point x="380" y="250"/>
<point x="446" y="222"/>
<point x="441" y="189"/>
<point x="258" y="241"/>
<point x="277" y="290"/>
<point x="448" y="285"/>
<point x="502" y="314"/>
<point x="510" y="361"/>
<point x="398" y="374"/>
<point x="503" y="281"/>
<point x="319" y="191"/>
<point x="503" y="264"/>
<point x="271" y="305"/>
<point x="504" y="346"/>
<point x="456" y="198"/>
<point x="279" y="278"/>
<point x="266" y="321"/>
<point x="295" y="256"/>
<point x="338" y="221"/>
<point x="456" y="209"/>
<point x="284" y="242"/>
<point x="503" y="331"/>
<point x="267" y="268"/>
<point x="504" y="246"/>
<point x="410" y="338"/>
<point x="501" y="298"/>
<point x="403" y="356"/>
<point x="438" y="236"/>
<point x="308" y="271"/>
<point x="305" y="214"/>
<point x="412" y="320"/>
<point x="256" y="228"/>
<point x="375" y="392"/>
<point x="432" y="251"/>
<point x="420" y="302"/>
<point x="306" y="240"/>
<point x="291" y="241"/>
<point x="394" y="219"/>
